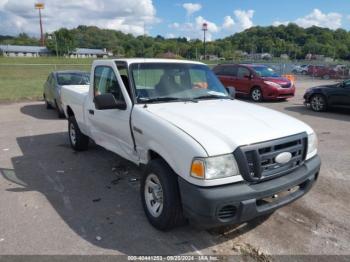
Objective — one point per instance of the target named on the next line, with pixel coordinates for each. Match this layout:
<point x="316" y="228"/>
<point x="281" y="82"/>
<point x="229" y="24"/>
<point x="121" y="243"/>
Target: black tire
<point x="318" y="103"/>
<point x="256" y="94"/>
<point x="170" y="215"/>
<point x="47" y="104"/>
<point x="78" y="140"/>
<point x="60" y="112"/>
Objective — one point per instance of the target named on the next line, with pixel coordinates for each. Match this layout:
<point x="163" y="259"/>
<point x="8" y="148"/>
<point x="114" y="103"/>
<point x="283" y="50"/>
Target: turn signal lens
<point x="198" y="169"/>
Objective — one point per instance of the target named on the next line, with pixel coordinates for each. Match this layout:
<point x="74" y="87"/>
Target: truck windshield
<point x="164" y="82"/>
<point x="265" y="71"/>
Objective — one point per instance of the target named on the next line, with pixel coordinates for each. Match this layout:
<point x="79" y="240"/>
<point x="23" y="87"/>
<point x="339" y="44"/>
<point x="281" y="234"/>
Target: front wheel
<point x="160" y="196"/>
<point x="77" y="139"/>
<point x="256" y="94"/>
<point x="318" y="103"/>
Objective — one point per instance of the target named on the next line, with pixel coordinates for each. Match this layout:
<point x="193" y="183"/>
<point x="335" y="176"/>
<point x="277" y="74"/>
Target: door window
<point x="242" y="72"/>
<point x="105" y="81"/>
<point x="230" y="70"/>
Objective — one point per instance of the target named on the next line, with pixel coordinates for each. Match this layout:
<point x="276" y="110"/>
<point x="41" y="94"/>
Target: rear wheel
<point x="77" y="139"/>
<point x="60" y="112"/>
<point x="326" y="77"/>
<point x="47" y="104"/>
<point x="160" y="196"/>
<point x="256" y="94"/>
<point x="318" y="103"/>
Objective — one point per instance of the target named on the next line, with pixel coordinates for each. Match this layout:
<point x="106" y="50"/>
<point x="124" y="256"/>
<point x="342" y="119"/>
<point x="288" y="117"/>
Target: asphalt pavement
<point x="56" y="201"/>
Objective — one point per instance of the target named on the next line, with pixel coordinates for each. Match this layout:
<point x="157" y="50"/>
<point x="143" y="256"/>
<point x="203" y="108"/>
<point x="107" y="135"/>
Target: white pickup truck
<point x="208" y="158"/>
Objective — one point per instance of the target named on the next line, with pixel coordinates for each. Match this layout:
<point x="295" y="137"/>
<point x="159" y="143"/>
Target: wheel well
<point x="253" y="87"/>
<point x="154" y="155"/>
<point x="70" y="111"/>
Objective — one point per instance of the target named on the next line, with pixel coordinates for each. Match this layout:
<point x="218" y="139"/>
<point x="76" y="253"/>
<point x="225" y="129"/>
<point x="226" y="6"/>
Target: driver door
<point x="340" y="95"/>
<point x="110" y="128"/>
<point x="243" y="82"/>
<point x="346" y="90"/>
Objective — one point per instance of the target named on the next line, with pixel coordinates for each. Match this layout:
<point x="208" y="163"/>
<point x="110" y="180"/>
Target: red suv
<point x="257" y="81"/>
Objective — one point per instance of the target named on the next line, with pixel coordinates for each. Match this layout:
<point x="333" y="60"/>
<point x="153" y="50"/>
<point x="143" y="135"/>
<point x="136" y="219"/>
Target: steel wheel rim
<point x="153" y="195"/>
<point x="72" y="134"/>
<point x="256" y="94"/>
<point x="317" y="103"/>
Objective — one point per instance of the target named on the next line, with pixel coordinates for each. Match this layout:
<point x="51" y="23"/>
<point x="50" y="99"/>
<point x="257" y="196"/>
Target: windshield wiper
<point x="166" y="99"/>
<point x="213" y="97"/>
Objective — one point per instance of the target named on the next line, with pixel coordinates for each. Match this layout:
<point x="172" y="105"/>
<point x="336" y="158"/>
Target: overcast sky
<point x="171" y="18"/>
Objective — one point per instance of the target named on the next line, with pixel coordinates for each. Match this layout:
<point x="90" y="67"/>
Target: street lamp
<point x="204" y="29"/>
<point x="40" y="6"/>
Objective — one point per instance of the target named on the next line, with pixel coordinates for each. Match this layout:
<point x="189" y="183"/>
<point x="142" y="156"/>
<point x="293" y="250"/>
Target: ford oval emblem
<point x="283" y="158"/>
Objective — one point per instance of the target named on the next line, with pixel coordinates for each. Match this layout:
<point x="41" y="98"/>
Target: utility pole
<point x="204" y="29"/>
<point x="40" y="6"/>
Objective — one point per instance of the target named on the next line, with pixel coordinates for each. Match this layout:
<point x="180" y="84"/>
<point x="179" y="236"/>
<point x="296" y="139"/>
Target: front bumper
<point x="209" y="207"/>
<point x="279" y="93"/>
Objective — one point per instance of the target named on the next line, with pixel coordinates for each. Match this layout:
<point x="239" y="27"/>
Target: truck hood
<point x="220" y="126"/>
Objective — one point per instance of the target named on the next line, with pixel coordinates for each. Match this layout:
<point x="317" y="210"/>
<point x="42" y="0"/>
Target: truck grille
<point x="257" y="162"/>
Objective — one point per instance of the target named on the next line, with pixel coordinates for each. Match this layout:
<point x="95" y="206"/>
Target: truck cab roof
<point x="150" y="60"/>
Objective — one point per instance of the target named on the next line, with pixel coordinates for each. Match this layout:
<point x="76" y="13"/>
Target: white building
<point x="89" y="53"/>
<point x="23" y="51"/>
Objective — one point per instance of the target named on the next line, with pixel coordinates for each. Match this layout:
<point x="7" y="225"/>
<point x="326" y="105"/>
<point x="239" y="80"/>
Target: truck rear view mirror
<point x="108" y="101"/>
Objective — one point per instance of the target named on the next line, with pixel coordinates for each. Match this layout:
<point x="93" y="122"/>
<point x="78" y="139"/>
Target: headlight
<point x="311" y="146"/>
<point x="272" y="84"/>
<point x="214" y="167"/>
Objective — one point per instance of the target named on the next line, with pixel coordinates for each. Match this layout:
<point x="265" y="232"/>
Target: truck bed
<point x="74" y="97"/>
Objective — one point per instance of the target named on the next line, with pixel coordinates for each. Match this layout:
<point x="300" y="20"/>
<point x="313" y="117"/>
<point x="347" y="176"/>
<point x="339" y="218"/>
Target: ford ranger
<point x="207" y="157"/>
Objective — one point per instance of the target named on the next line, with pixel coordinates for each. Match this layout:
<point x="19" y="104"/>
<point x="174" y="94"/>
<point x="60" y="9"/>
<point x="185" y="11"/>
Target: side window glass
<point x="242" y="72"/>
<point x="52" y="80"/>
<point x="218" y="70"/>
<point x="105" y="81"/>
<point x="347" y="84"/>
<point x="231" y="70"/>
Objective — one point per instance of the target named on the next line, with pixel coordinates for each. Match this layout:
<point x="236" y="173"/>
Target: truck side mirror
<point x="108" y="101"/>
<point x="231" y="91"/>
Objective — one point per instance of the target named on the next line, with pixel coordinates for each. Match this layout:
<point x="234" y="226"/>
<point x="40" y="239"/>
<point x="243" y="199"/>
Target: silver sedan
<point x="54" y="83"/>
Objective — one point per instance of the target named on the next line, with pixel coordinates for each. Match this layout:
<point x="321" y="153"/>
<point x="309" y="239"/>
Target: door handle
<point x="91" y="112"/>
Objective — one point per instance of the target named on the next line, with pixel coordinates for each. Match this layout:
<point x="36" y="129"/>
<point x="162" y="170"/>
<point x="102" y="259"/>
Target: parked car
<point x="317" y="70"/>
<point x="54" y="83"/>
<point x="335" y="72"/>
<point x="259" y="82"/>
<point x="207" y="157"/>
<point x="320" y="98"/>
<point x="300" y="69"/>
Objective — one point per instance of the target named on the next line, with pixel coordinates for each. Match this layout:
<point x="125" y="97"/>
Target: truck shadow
<point x="341" y="114"/>
<point x="96" y="193"/>
<point x="39" y="111"/>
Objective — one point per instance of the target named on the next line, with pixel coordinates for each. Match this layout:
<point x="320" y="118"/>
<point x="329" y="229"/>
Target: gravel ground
<point x="56" y="201"/>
